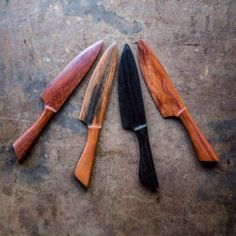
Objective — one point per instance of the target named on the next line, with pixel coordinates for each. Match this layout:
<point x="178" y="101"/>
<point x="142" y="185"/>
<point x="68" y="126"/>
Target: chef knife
<point x="133" y="115"/>
<point x="169" y="102"/>
<point x="93" y="110"/>
<point x="56" y="94"/>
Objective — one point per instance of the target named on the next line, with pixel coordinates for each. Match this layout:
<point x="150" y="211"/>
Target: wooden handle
<point x="84" y="167"/>
<point x="147" y="173"/>
<point x="25" y="141"/>
<point x="204" y="150"/>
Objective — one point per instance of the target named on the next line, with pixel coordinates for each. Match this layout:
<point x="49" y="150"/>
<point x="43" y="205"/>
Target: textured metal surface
<point x="195" y="41"/>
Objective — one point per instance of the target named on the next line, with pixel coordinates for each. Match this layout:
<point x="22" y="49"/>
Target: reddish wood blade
<point x="161" y="88"/>
<point x="68" y="79"/>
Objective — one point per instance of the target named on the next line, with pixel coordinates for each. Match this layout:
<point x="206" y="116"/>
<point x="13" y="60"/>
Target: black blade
<point x="129" y="91"/>
<point x="133" y="115"/>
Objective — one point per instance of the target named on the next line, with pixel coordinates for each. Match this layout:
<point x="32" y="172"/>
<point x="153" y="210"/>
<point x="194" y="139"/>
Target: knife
<point x="169" y="102"/>
<point x="56" y="94"/>
<point x="93" y="110"/>
<point x="133" y="115"/>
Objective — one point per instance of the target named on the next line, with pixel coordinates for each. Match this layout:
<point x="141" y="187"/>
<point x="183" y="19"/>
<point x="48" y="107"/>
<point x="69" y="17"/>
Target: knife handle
<point x="204" y="150"/>
<point x="147" y="173"/>
<point x="84" y="167"/>
<point x="25" y="141"/>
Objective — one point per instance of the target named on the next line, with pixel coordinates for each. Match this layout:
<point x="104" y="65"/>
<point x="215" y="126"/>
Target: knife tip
<point x="114" y="44"/>
<point x="141" y="43"/>
<point x="126" y="46"/>
<point x="126" y="51"/>
<point x="142" y="48"/>
<point x="100" y="42"/>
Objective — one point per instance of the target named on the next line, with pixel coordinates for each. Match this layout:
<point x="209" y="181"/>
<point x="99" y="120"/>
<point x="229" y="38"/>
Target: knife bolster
<point x="202" y="147"/>
<point x="84" y="167"/>
<point x="22" y="145"/>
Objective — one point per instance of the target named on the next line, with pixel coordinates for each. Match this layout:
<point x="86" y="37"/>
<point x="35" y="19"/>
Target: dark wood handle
<point x="204" y="150"/>
<point x="147" y="173"/>
<point x="25" y="141"/>
<point x="84" y="167"/>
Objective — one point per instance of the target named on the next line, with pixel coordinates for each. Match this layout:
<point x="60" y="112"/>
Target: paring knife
<point x="56" y="94"/>
<point x="169" y="101"/>
<point x="133" y="115"/>
<point x="93" y="110"/>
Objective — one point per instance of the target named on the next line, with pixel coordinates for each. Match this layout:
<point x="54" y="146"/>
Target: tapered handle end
<point x="22" y="145"/>
<point x="81" y="175"/>
<point x="84" y="167"/>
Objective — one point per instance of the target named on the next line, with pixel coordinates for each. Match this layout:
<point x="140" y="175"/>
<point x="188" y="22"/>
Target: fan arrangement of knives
<point x="133" y="118"/>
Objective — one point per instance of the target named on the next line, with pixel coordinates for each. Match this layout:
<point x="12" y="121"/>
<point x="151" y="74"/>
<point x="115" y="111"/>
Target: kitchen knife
<point x="169" y="101"/>
<point x="93" y="110"/>
<point x="133" y="115"/>
<point x="56" y="94"/>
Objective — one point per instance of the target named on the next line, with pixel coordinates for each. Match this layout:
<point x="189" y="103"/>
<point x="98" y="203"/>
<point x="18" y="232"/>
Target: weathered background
<point x="196" y="42"/>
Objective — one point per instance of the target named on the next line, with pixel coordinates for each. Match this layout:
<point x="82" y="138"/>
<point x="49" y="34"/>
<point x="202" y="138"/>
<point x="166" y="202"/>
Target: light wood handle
<point x="204" y="150"/>
<point x="84" y="167"/>
<point x="24" y="142"/>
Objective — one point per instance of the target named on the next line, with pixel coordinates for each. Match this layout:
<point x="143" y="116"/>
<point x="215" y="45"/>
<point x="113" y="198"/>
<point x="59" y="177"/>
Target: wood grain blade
<point x="160" y="86"/>
<point x="68" y="79"/>
<point x="98" y="90"/>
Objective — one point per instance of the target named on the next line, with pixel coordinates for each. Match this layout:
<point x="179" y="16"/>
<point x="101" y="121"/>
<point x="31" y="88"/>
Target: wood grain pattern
<point x="169" y="102"/>
<point x="56" y="94"/>
<point x="84" y="167"/>
<point x="160" y="86"/>
<point x="98" y="91"/>
<point x="202" y="147"/>
<point x="24" y="142"/>
<point x="93" y="110"/>
<point x="69" y="78"/>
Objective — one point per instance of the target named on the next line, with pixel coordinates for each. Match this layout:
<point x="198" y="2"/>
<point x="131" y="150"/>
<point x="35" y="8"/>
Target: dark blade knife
<point x="133" y="115"/>
<point x="93" y="110"/>
<point x="56" y="94"/>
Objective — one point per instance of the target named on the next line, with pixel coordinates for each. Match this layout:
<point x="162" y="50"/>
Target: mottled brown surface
<point x="195" y="41"/>
<point x="93" y="110"/>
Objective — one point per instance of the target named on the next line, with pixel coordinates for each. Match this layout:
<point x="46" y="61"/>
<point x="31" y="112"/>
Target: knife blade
<point x="93" y="110"/>
<point x="169" y="102"/>
<point x="133" y="115"/>
<point x="56" y="94"/>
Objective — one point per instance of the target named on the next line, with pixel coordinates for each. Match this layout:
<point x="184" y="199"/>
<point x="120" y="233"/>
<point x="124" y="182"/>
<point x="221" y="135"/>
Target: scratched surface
<point x="196" y="42"/>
